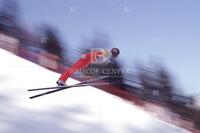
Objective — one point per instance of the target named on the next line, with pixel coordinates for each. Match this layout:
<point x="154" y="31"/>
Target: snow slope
<point x="75" y="110"/>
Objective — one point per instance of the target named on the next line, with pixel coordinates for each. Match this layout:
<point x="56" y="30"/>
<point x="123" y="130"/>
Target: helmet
<point x="115" y="52"/>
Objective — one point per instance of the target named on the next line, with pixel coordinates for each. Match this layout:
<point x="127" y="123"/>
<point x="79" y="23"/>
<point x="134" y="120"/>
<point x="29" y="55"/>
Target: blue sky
<point x="167" y="29"/>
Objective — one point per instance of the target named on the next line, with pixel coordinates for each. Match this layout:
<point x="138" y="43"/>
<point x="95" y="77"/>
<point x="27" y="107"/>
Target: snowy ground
<point x="85" y="109"/>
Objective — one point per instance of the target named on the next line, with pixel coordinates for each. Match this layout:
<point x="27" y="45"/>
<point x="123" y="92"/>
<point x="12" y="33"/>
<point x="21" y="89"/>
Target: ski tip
<point x="31" y="97"/>
<point x="32" y="89"/>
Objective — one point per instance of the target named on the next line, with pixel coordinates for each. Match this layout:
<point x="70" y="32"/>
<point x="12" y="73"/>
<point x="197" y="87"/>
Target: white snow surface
<point x="76" y="110"/>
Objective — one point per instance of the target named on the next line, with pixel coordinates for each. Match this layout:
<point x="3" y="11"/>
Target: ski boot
<point x="61" y="83"/>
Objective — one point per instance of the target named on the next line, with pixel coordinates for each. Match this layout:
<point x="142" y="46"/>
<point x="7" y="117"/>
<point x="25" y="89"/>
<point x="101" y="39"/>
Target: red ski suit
<point x="83" y="62"/>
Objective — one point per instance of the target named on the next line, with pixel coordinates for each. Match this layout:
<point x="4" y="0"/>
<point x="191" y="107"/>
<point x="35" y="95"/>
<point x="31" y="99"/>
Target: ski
<point x="51" y="88"/>
<point x="75" y="85"/>
<point x="65" y="87"/>
<point x="60" y="88"/>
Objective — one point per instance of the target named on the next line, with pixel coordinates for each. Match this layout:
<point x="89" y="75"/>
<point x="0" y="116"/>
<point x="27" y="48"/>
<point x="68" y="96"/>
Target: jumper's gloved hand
<point x="61" y="83"/>
<point x="106" y="53"/>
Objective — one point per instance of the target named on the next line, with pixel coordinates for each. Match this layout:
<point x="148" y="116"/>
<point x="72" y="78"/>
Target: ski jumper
<point x="83" y="62"/>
